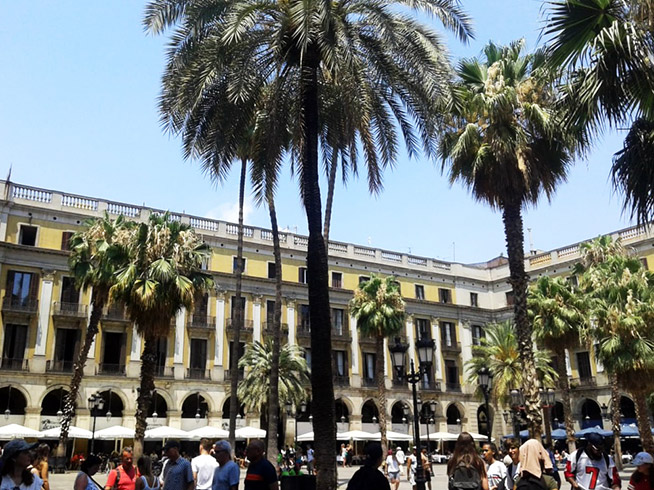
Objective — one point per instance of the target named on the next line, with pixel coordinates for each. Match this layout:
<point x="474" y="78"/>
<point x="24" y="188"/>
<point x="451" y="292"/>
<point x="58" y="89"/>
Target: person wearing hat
<point x="124" y="476"/>
<point x="368" y="477"/>
<point x="590" y="467"/>
<point x="15" y="473"/>
<point x="643" y="477"/>
<point x="177" y="472"/>
<point x="227" y="474"/>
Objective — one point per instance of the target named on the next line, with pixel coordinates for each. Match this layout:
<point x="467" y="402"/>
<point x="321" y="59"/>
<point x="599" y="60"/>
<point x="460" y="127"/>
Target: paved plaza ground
<point x="439" y="481"/>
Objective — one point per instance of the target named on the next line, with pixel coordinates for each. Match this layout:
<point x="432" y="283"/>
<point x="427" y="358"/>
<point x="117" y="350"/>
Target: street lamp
<point x="485" y="378"/>
<point x="425" y="348"/>
<point x="547" y="400"/>
<point x="96" y="402"/>
<point x="7" y="411"/>
<point x="517" y="402"/>
<point x="290" y="413"/>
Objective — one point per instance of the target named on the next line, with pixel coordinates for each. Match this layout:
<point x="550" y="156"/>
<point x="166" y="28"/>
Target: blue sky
<point x="78" y="98"/>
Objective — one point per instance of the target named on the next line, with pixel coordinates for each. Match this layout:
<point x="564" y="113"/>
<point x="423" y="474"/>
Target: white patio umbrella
<point x="115" y="432"/>
<point x="250" y="433"/>
<point x="355" y="435"/>
<point x="73" y="433"/>
<point x="16" y="431"/>
<point x="439" y="436"/>
<point x="306" y="437"/>
<point x="208" y="432"/>
<point x="397" y="436"/>
<point x="165" y="432"/>
<point x="480" y="437"/>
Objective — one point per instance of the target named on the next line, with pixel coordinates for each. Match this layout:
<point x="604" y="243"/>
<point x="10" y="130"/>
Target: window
<point x="451" y="373"/>
<point x="13" y="350"/>
<point x="583" y="365"/>
<point x="573" y="280"/>
<point x="474" y="300"/>
<point x="198" y="358"/>
<point x="270" y="312"/>
<point x="337" y="320"/>
<point x="65" y="240"/>
<point x="234" y="308"/>
<point x="420" y="291"/>
<point x="398" y="286"/>
<point x="337" y="280"/>
<point x="477" y="334"/>
<point x="21" y="288"/>
<point x="235" y="264"/>
<point x="363" y="279"/>
<point x="307" y="357"/>
<point x="206" y="263"/>
<point x="241" y="352"/>
<point x="201" y="306"/>
<point x="272" y="272"/>
<point x="427" y="378"/>
<point x="27" y="235"/>
<point x="509" y="298"/>
<point x="66" y="348"/>
<point x="423" y="328"/>
<point x="448" y="334"/>
<point x="302" y="275"/>
<point x="643" y="260"/>
<point x="160" y="355"/>
<point x="340" y="362"/>
<point x="113" y="352"/>
<point x="69" y="292"/>
<point x="305" y="322"/>
<point x="444" y="295"/>
<point x="369" y="366"/>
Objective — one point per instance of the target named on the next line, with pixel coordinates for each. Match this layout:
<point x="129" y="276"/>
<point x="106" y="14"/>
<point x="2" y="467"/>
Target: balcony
<point x="248" y="325"/>
<point x="197" y="373"/>
<point x="59" y="366"/>
<point x="9" y="364"/>
<point x="585" y="382"/>
<point x="453" y="347"/>
<point x="228" y="374"/>
<point x="116" y="314"/>
<point x="164" y="371"/>
<point x="453" y="387"/>
<point x="24" y="306"/>
<point x="369" y="382"/>
<point x="304" y="330"/>
<point x="340" y="332"/>
<point x="269" y="326"/>
<point x="432" y="386"/>
<point x="342" y="380"/>
<point x="110" y="369"/>
<point x="202" y="322"/>
<point x="69" y="310"/>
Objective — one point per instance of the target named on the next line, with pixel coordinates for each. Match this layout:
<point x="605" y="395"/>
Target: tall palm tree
<point x="164" y="275"/>
<point x="253" y="390"/>
<point x="504" y="142"/>
<point x="398" y="66"/>
<point x="379" y="309"/>
<point x="606" y="47"/>
<point x="558" y="315"/>
<point x="96" y="253"/>
<point x="621" y="296"/>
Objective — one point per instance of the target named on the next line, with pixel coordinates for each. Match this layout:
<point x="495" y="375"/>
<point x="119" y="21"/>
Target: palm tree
<point x="96" y="253"/>
<point x="164" y="275"/>
<point x="379" y="309"/>
<point x="504" y="142"/>
<point x="557" y="314"/>
<point x="606" y="47"/>
<point x="621" y="296"/>
<point x="398" y="68"/>
<point x="253" y="389"/>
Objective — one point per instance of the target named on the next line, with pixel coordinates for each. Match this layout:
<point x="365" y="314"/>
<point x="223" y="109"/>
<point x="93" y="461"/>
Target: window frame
<point x="20" y="234"/>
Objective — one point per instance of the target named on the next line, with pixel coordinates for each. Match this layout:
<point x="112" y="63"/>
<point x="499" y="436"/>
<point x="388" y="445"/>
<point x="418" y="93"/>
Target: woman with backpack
<point x="465" y="469"/>
<point x="534" y="461"/>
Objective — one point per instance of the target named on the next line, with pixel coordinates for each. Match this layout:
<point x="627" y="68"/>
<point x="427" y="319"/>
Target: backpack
<point x="531" y="483"/>
<point x="465" y="478"/>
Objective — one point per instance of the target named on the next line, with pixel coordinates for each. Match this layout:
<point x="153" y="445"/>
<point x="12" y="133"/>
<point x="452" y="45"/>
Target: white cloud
<point x="228" y="211"/>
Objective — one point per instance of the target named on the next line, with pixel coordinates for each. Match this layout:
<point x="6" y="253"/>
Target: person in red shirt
<point x="643" y="477"/>
<point x="125" y="472"/>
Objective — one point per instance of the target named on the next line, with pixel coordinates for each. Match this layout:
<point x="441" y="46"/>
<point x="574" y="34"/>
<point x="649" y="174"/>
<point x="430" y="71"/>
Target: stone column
<point x="134" y="366"/>
<point x="411" y="339"/>
<point x="256" y="317"/>
<point x="355" y="381"/>
<point x="43" y="321"/>
<point x="290" y="319"/>
<point x="178" y="355"/>
<point x="220" y="331"/>
<point x="435" y="334"/>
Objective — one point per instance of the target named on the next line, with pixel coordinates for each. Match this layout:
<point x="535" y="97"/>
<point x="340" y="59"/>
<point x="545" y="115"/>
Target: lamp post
<point x="485" y="378"/>
<point x="290" y="413"/>
<point x="96" y="402"/>
<point x="547" y="400"/>
<point x="517" y="402"/>
<point x="425" y="348"/>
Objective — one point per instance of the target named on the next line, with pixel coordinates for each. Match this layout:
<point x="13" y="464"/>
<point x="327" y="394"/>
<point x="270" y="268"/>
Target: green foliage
<point x="378" y="307"/>
<point x="498" y="351"/>
<point x="253" y="390"/>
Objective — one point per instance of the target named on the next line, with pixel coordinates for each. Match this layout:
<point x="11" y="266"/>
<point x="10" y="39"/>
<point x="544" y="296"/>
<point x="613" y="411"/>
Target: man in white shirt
<point x="399" y="454"/>
<point x="203" y="466"/>
<point x="590" y="467"/>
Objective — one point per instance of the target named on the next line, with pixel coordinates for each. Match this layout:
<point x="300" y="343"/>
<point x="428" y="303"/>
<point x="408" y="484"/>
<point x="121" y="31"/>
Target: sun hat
<point x="15" y="446"/>
<point x="222" y="446"/>
<point x="643" y="458"/>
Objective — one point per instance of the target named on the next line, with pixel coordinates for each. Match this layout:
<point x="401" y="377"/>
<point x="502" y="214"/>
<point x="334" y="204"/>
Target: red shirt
<point x="643" y="484"/>
<point x="127" y="478"/>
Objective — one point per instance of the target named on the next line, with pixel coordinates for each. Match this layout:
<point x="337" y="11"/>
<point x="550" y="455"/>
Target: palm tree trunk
<point x="518" y="280"/>
<point x="273" y="396"/>
<point x="381" y="390"/>
<point x="322" y="382"/>
<point x="98" y="302"/>
<point x="615" y="419"/>
<point x="564" y="386"/>
<point x="146" y="391"/>
<point x="237" y="321"/>
<point x="642" y="416"/>
<point x="331" y="184"/>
